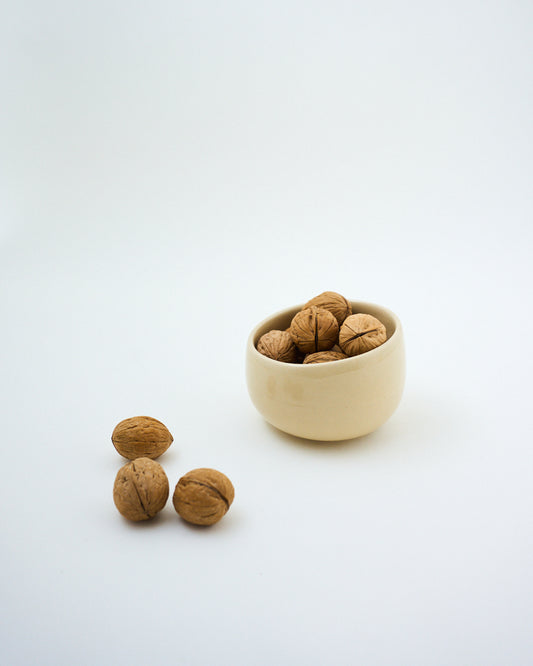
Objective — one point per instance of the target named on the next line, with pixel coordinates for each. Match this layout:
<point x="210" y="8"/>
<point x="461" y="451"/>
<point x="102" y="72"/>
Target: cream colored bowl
<point x="328" y="401"/>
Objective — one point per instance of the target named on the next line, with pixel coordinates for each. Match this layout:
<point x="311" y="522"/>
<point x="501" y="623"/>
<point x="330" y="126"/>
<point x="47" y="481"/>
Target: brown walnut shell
<point x="279" y="346"/>
<point x="141" y="437"/>
<point x="339" y="306"/>
<point x="141" y="489"/>
<point x="314" y="329"/>
<point x="361" y="333"/>
<point x="203" y="496"/>
<point x="324" y="357"/>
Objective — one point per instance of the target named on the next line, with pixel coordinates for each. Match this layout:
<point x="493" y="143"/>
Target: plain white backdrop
<point x="170" y="174"/>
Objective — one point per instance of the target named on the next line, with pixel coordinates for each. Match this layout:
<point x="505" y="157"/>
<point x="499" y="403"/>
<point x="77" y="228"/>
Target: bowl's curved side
<point x="328" y="401"/>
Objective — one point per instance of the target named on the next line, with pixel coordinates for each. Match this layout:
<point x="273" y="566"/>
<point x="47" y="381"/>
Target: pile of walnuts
<point x="202" y="496"/>
<point x="325" y="329"/>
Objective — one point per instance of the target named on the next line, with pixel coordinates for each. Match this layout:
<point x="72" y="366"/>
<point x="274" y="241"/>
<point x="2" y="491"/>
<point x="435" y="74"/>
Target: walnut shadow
<point x="159" y="519"/>
<point x="216" y="527"/>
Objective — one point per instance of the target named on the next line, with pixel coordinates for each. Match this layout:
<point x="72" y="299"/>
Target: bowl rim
<point x="334" y="367"/>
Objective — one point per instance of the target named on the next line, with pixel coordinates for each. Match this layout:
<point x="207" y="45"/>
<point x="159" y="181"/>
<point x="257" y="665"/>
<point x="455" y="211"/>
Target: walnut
<point x="339" y="306"/>
<point x="324" y="357"/>
<point x="203" y="496"/>
<point x="141" y="437"/>
<point x="361" y="333"/>
<point x="141" y="489"/>
<point x="314" y="329"/>
<point x="279" y="346"/>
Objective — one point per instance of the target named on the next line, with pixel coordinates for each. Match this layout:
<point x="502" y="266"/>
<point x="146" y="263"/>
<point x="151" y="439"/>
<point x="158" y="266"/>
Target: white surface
<point x="173" y="173"/>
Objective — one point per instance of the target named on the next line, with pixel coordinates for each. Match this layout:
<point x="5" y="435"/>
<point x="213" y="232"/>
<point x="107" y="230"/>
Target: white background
<point x="171" y="174"/>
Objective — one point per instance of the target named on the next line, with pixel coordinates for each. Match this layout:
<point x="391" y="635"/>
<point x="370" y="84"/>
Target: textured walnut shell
<point x="314" y="329"/>
<point x="279" y="346"/>
<point x="141" y="437"/>
<point x="324" y="357"/>
<point x="203" y="496"/>
<point x="361" y="333"/>
<point x="339" y="306"/>
<point x="141" y="489"/>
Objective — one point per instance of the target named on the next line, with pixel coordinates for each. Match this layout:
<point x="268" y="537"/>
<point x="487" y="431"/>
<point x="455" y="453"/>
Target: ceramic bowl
<point x="328" y="401"/>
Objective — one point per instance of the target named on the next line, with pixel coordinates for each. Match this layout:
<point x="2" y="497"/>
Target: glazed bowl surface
<point x="328" y="401"/>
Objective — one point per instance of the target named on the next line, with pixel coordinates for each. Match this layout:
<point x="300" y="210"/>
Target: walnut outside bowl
<point x="328" y="401"/>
